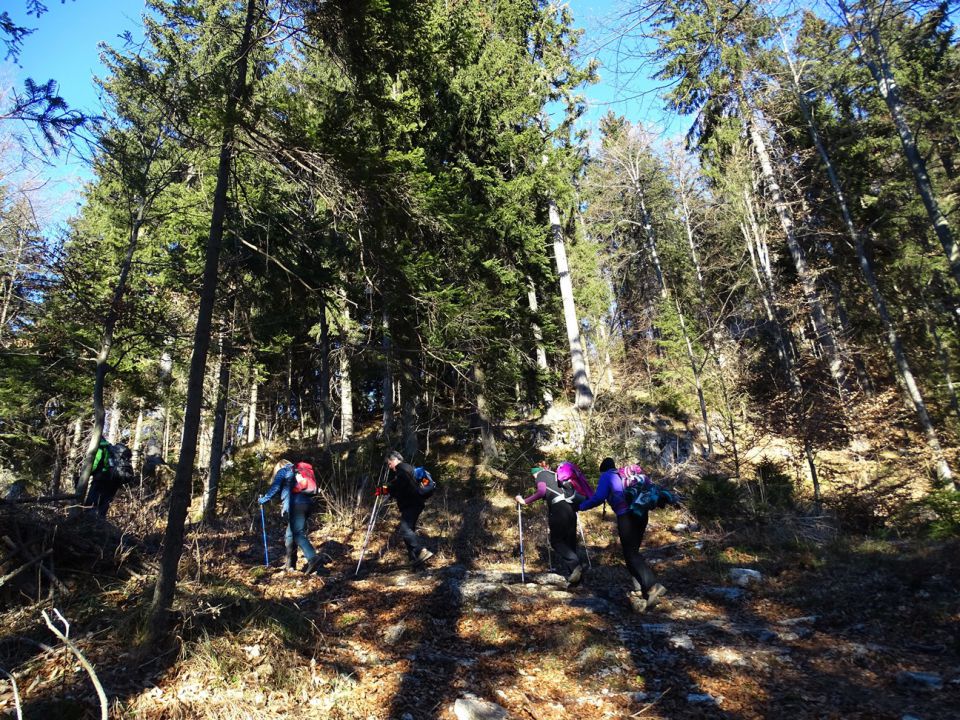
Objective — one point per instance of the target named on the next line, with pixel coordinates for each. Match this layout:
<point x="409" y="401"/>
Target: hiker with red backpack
<point x="562" y="499"/>
<point x="410" y="494"/>
<point x="297" y="485"/>
<point x="631" y="526"/>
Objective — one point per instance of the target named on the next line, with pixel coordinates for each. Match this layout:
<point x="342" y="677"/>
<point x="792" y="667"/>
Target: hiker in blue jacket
<point x="631" y="528"/>
<point x="296" y="506"/>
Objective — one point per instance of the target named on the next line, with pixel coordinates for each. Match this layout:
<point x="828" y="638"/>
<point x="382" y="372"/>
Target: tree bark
<point x="326" y="412"/>
<point x="180" y="492"/>
<point x="488" y="440"/>
<point x="387" y="374"/>
<point x="346" y="385"/>
<point x="252" y="406"/>
<point x="581" y="381"/>
<point x="538" y="339"/>
<point x="219" y="426"/>
<point x="137" y="444"/>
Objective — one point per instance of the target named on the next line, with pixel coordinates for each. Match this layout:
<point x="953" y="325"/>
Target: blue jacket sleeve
<point x="599" y="495"/>
<point x="283" y="474"/>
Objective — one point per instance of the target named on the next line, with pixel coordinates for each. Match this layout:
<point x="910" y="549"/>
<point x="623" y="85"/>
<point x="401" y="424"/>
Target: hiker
<point x="631" y="528"/>
<point x="294" y="485"/>
<point x="402" y="487"/>
<point x="103" y="482"/>
<point x="561" y="520"/>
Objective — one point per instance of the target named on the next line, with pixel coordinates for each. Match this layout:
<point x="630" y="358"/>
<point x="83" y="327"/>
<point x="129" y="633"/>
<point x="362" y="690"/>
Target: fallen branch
<point x="42" y="499"/>
<point x="16" y="694"/>
<point x="11" y="575"/>
<point x="27" y="555"/>
<point x="64" y="637"/>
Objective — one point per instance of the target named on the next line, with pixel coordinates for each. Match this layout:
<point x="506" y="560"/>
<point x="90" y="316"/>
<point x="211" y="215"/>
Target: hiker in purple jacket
<point x="631" y="528"/>
<point x="561" y="521"/>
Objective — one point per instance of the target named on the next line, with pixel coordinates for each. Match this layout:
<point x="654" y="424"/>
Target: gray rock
<point x="702" y="699"/>
<point x="392" y="635"/>
<point x="745" y="576"/>
<point x="919" y="680"/>
<point x="596" y="604"/>
<point x="724" y="593"/>
<point x="680" y="642"/>
<point x="407" y="716"/>
<point x="470" y="707"/>
<point x="806" y="620"/>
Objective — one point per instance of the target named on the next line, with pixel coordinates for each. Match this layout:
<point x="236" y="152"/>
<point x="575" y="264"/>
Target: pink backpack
<point x="568" y="472"/>
<point x="634" y="475"/>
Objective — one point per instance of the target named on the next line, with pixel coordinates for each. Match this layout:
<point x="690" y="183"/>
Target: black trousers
<point x="631" y="528"/>
<point x="409" y="515"/>
<point x="562" y="522"/>
<point x="103" y="489"/>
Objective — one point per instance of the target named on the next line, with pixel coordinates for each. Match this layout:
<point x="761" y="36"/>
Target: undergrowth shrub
<point x="945" y="505"/>
<point x="773" y="488"/>
<point x="715" y="497"/>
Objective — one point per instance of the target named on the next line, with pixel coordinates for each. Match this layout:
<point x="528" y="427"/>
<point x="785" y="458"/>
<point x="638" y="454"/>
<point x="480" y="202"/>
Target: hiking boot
<point x="638" y="603"/>
<point x="575" y="576"/>
<point x="422" y="557"/>
<point x="312" y="565"/>
<point x="653" y="597"/>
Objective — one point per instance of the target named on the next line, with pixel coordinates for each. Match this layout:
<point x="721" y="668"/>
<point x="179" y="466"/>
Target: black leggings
<point x="631" y="528"/>
<point x="563" y="539"/>
<point x="409" y="514"/>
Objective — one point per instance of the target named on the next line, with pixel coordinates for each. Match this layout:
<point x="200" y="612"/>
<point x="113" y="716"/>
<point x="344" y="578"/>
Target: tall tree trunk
<point x="538" y="338"/>
<point x="409" y="417"/>
<point x="326" y="412"/>
<point x="879" y="302"/>
<point x="824" y="332"/>
<point x="581" y="381"/>
<point x="137" y="445"/>
<point x="488" y="440"/>
<point x="252" y="406"/>
<point x="387" y="374"/>
<point x="103" y="355"/>
<point x="9" y="284"/>
<point x="219" y="425"/>
<point x="346" y="385"/>
<point x="180" y="492"/>
<point x="878" y="63"/>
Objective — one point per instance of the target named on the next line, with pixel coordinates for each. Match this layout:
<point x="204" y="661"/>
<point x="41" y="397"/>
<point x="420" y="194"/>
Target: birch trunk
<point x="180" y="491"/>
<point x="326" y="412"/>
<point x="387" y="426"/>
<point x="878" y="63"/>
<point x="137" y="447"/>
<point x="538" y="338"/>
<point x="346" y="385"/>
<point x="252" y="406"/>
<point x="581" y="381"/>
<point x="212" y="487"/>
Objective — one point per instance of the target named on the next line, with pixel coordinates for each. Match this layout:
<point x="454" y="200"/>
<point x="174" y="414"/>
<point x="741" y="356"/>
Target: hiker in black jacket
<point x="561" y="520"/>
<point x="402" y="487"/>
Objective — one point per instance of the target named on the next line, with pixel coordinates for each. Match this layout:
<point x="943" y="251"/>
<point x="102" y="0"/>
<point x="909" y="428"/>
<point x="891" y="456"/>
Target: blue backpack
<point x="425" y="483"/>
<point x="643" y="495"/>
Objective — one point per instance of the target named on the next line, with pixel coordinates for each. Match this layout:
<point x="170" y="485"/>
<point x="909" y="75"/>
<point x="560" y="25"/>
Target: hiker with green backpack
<point x="562" y="500"/>
<point x="612" y="487"/>
<point x="297" y="485"/>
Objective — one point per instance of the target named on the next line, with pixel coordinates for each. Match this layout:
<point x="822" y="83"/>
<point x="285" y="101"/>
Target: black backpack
<point x="121" y="463"/>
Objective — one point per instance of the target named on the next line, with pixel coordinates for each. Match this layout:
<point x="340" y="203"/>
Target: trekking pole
<point x="523" y="578"/>
<point x="583" y="538"/>
<point x="366" y="540"/>
<point x="263" y="524"/>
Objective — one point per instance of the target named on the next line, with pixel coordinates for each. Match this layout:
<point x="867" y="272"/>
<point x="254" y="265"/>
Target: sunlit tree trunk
<point x="538" y="338"/>
<point x="212" y="486"/>
<point x="581" y="381"/>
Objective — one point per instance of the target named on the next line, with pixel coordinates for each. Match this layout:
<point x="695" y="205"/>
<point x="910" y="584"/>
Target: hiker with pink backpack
<point x="562" y="491"/>
<point x="297" y="485"/>
<point x="616" y="486"/>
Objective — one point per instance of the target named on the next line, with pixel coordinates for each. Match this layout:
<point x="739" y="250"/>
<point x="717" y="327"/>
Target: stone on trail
<point x="703" y="699"/>
<point x="745" y="576"/>
<point x="723" y="593"/>
<point x="919" y="680"/>
<point x="681" y="642"/>
<point x="392" y="635"/>
<point x="470" y="707"/>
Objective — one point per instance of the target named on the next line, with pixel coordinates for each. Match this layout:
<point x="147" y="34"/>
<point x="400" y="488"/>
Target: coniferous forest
<point x="320" y="231"/>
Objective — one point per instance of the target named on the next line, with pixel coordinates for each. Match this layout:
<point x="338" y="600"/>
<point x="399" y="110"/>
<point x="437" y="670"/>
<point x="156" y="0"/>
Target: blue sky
<point x="64" y="47"/>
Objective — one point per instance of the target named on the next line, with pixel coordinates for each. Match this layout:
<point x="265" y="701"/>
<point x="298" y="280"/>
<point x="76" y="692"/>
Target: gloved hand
<point x="519" y="499"/>
<point x="382" y="490"/>
<point x="262" y="499"/>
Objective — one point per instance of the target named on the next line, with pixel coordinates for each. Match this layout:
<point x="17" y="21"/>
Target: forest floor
<point x="855" y="628"/>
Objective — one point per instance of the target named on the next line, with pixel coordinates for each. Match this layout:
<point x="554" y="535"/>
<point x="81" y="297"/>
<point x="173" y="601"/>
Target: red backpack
<point x="304" y="481"/>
